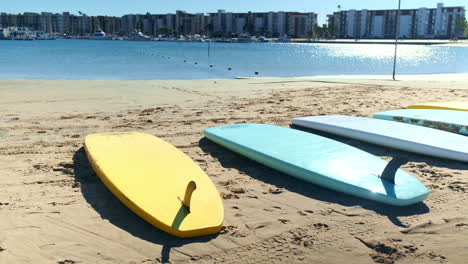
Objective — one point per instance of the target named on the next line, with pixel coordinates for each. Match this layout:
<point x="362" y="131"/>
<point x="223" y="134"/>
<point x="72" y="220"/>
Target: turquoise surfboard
<point x="322" y="161"/>
<point x="447" y="120"/>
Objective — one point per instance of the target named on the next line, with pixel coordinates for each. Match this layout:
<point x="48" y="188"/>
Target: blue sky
<point x="121" y="7"/>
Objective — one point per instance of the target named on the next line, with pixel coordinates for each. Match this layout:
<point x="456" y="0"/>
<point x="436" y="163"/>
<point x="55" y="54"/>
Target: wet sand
<point x="54" y="209"/>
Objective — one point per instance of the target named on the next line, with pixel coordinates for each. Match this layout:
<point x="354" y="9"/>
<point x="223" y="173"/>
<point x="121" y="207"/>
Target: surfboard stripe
<point x="446" y="120"/>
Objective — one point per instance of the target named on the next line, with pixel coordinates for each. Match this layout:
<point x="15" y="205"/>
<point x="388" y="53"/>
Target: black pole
<point x="397" y="33"/>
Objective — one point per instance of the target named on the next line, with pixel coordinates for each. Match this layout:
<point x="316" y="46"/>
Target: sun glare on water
<point x="408" y="53"/>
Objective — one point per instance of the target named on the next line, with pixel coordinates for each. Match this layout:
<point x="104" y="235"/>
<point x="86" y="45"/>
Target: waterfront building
<point x="270" y="24"/>
<point x="301" y="25"/>
<point x="21" y="33"/>
<point x="426" y="23"/>
<point x="439" y="22"/>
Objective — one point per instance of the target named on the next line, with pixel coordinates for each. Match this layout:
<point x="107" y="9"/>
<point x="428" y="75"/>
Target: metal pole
<point x="397" y="33"/>
<point x="209" y="48"/>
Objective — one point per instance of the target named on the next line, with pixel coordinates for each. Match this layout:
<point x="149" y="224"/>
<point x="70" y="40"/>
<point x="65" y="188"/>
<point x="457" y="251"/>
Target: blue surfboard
<point x="322" y="161"/>
<point x="447" y="120"/>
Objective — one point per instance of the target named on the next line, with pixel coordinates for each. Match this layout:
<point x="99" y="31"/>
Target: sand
<point x="54" y="209"/>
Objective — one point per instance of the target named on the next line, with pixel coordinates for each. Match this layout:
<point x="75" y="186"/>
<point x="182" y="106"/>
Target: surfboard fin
<point x="191" y="187"/>
<point x="391" y="169"/>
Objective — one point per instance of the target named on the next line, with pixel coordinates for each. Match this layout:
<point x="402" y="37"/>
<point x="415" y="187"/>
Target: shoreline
<point x="51" y="196"/>
<point x="428" y="76"/>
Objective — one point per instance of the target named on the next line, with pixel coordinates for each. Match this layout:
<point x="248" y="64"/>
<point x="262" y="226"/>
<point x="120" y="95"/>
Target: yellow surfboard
<point x="458" y="106"/>
<point x="157" y="181"/>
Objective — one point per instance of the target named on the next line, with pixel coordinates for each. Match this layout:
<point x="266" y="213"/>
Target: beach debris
<point x="238" y="190"/>
<point x="321" y="226"/>
<point x="228" y="196"/>
<point x="305" y="212"/>
<point x="64" y="167"/>
<point x="67" y="261"/>
<point x="275" y="190"/>
<point x="227" y="183"/>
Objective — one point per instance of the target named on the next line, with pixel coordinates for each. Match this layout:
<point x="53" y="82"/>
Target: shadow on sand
<point x="229" y="159"/>
<point x="111" y="209"/>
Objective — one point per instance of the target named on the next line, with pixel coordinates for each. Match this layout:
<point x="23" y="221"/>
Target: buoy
<point x="185" y="61"/>
<point x="196" y="62"/>
<point x="211" y="65"/>
<point x="229" y="69"/>
<point x="256" y="73"/>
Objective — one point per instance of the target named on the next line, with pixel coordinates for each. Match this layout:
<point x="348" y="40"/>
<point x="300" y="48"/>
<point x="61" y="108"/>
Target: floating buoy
<point x="256" y="73"/>
<point x="211" y="65"/>
<point x="185" y="61"/>
<point x="229" y="69"/>
<point x="196" y="62"/>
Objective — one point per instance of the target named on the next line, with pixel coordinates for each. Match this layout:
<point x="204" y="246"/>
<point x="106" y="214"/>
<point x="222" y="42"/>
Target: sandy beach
<point x="54" y="209"/>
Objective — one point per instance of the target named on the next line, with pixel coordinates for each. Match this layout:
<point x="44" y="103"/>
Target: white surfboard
<point x="421" y="140"/>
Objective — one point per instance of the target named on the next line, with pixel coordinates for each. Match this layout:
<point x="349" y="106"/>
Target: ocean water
<point x="126" y="60"/>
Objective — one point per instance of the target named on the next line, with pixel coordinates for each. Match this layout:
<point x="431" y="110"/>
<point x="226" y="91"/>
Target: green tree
<point x="165" y="30"/>
<point x="209" y="28"/>
<point x="218" y="34"/>
<point x="331" y="31"/>
<point x="249" y="25"/>
<point x="466" y="29"/>
<point x="460" y="27"/>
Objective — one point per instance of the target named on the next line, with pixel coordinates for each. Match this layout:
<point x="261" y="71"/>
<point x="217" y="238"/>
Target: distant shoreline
<point x="438" y="42"/>
<point x="428" y="42"/>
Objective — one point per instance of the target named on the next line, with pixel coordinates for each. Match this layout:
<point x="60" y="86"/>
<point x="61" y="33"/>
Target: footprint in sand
<point x="233" y="231"/>
<point x="228" y="196"/>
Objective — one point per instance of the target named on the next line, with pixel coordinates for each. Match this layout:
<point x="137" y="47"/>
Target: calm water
<point x="85" y="59"/>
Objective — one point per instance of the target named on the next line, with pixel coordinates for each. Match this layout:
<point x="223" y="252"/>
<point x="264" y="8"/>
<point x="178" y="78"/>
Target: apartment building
<point x="222" y="23"/>
<point x="439" y="22"/>
<point x="270" y="24"/>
